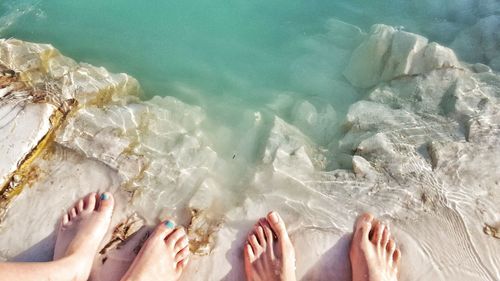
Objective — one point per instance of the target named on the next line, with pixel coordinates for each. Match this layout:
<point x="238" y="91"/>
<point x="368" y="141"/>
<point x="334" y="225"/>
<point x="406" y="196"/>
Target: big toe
<point x="277" y="224"/>
<point x="106" y="202"/>
<point x="163" y="229"/>
<point x="363" y="226"/>
<point x="363" y="219"/>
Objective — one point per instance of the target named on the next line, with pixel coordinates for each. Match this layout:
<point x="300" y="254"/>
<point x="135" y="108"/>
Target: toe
<point x="362" y="220"/>
<point x="182" y="254"/>
<point x="277" y="225"/>
<point x="391" y="247"/>
<point x="65" y="219"/>
<point x="248" y="253"/>
<point x="72" y="214"/>
<point x="89" y="202"/>
<point x="396" y="257"/>
<point x="182" y="265"/>
<point x="362" y="227"/>
<point x="268" y="231"/>
<point x="385" y="237"/>
<point x="252" y="239"/>
<point x="79" y="206"/>
<point x="162" y="230"/>
<point x="174" y="237"/>
<point x="181" y="244"/>
<point x="378" y="230"/>
<point x="259" y="231"/>
<point x="269" y="234"/>
<point x="106" y="202"/>
<point x="270" y="240"/>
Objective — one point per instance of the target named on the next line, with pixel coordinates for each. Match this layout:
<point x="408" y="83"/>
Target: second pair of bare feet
<point x="162" y="257"/>
<point x="269" y="253"/>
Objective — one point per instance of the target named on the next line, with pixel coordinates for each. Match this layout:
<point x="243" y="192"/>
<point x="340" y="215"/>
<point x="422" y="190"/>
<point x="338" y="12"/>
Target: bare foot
<point x="163" y="257"/>
<point x="269" y="253"/>
<point x="81" y="231"/>
<point x="374" y="255"/>
<point x="112" y="265"/>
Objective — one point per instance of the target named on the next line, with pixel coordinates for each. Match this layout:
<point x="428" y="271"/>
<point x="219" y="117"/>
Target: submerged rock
<point x="388" y="54"/>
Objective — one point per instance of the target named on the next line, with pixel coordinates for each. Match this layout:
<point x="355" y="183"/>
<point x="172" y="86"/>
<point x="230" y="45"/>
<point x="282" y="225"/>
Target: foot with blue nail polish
<point x="82" y="230"/>
<point x="269" y="254"/>
<point x="163" y="257"/>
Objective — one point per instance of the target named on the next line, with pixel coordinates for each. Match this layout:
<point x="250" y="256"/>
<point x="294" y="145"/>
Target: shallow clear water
<point x="231" y="58"/>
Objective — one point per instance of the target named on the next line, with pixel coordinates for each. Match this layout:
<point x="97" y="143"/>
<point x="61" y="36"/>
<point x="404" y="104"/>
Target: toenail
<point x="169" y="224"/>
<point x="274" y="217"/>
<point x="104" y="196"/>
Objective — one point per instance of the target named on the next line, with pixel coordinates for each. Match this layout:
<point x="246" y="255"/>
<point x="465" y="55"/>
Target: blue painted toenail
<point x="169" y="224"/>
<point x="104" y="196"/>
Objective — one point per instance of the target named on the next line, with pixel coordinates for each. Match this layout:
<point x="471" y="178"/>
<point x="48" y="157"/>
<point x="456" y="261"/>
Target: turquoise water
<point x="230" y="57"/>
<point x="223" y="48"/>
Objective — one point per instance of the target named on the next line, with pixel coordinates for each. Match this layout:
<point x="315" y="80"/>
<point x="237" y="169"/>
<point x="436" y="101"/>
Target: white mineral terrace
<point x="425" y="142"/>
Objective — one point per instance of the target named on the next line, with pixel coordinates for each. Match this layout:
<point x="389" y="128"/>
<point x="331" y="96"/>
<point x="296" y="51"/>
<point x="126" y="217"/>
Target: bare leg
<point x="268" y="258"/>
<point x="374" y="255"/>
<point x="163" y="257"/>
<point x="80" y="233"/>
<point x="60" y="270"/>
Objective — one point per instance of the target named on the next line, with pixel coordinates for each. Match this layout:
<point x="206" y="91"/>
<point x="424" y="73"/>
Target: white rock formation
<point x="389" y="53"/>
<point x="17" y="142"/>
<point x="425" y="145"/>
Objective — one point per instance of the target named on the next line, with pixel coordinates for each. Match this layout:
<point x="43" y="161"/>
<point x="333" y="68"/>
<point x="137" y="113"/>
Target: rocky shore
<point x="424" y="144"/>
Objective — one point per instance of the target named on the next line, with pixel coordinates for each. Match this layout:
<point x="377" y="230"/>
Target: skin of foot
<point x="163" y="257"/>
<point x="268" y="253"/>
<point x="81" y="231"/>
<point x="112" y="265"/>
<point x="374" y="255"/>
